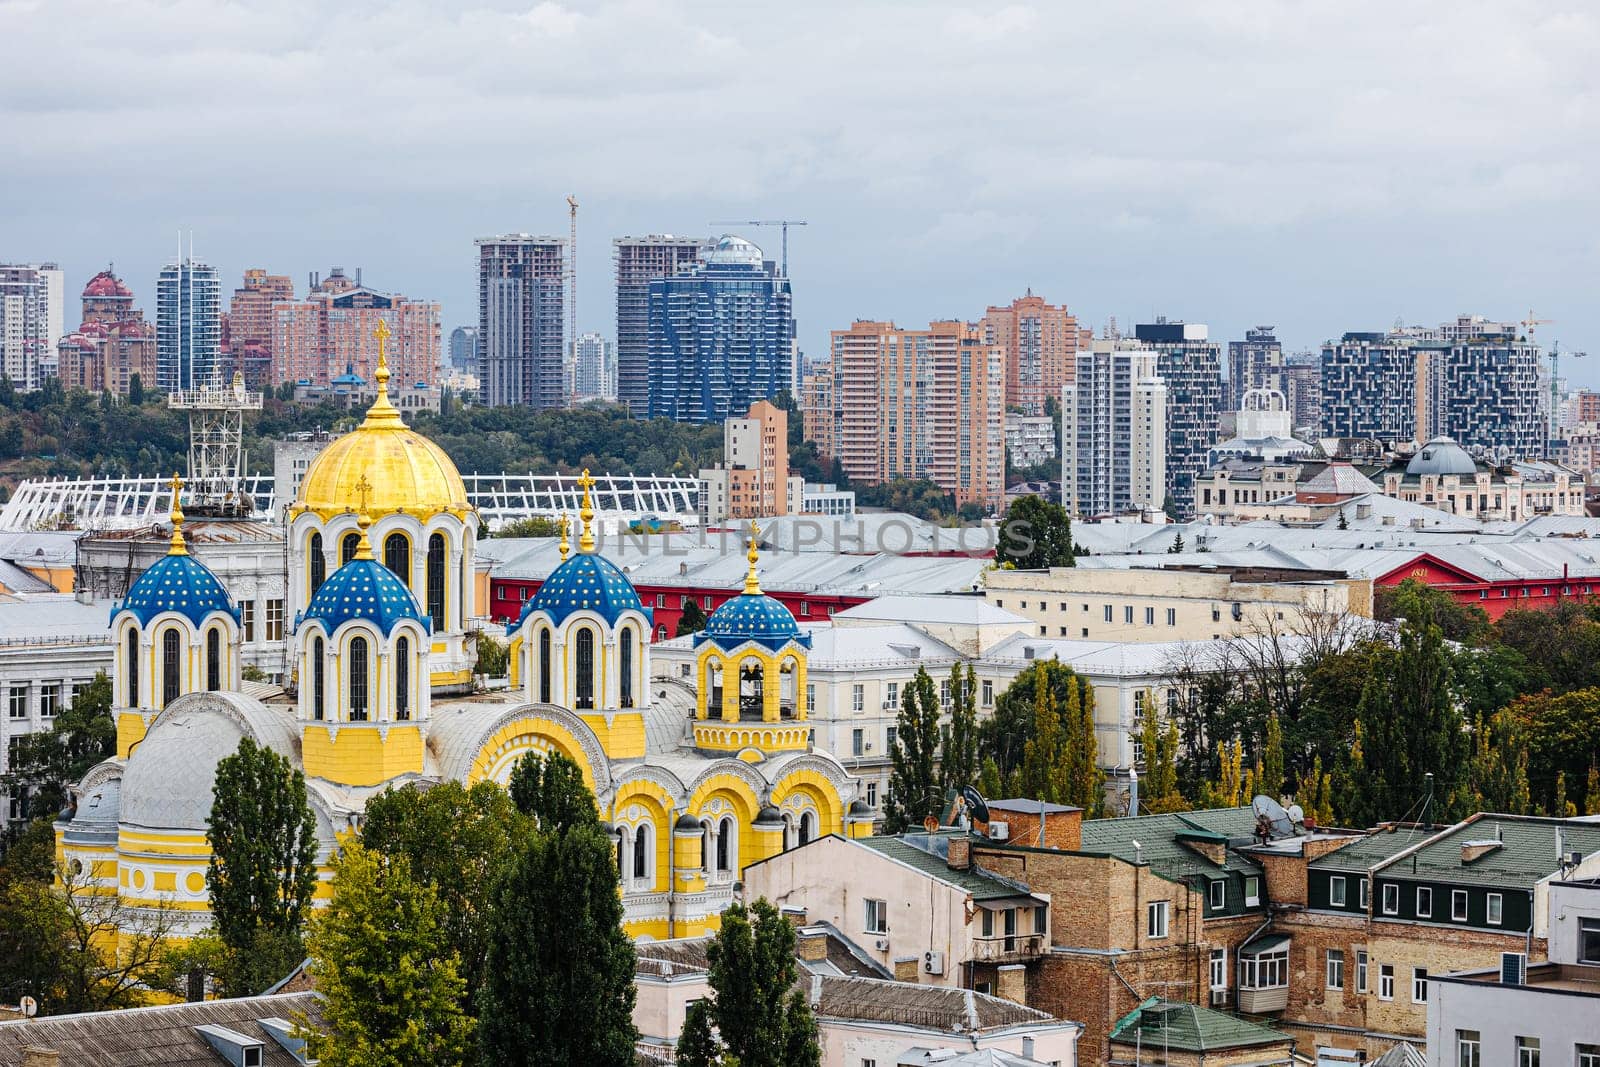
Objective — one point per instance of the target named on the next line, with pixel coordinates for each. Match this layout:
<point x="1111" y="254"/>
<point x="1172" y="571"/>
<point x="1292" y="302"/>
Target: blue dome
<point x="752" y="617"/>
<point x="177" y="583"/>
<point x="363" y="589"/>
<point x="586" y="582"/>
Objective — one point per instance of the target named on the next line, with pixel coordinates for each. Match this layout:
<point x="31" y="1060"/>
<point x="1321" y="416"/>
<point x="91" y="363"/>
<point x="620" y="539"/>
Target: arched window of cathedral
<point x="641" y="852"/>
<point x="544" y="666"/>
<point x="133" y="667"/>
<point x="725" y="845"/>
<point x="169" y="665"/>
<point x="318" y="680"/>
<point x="213" y="659"/>
<point x="402" y="679"/>
<point x="358" y="679"/>
<point x="436" y="581"/>
<point x="808" y="828"/>
<point x="347" y="548"/>
<point x="397" y="556"/>
<point x="625" y="667"/>
<point x="318" y="562"/>
<point x="585" y="668"/>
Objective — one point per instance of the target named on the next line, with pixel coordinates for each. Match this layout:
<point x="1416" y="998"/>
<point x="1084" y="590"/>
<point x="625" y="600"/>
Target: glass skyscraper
<point x="188" y="325"/>
<point x="721" y="335"/>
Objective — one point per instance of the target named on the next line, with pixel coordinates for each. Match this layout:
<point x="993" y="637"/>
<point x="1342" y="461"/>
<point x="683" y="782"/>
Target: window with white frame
<point x="1172" y="616"/>
<point x="1219" y="968"/>
<point x="1385" y="981"/>
<point x="49" y="699"/>
<point x="1219" y="895"/>
<point x="987" y="689"/>
<point x="17" y="702"/>
<point x="877" y="916"/>
<point x="857" y="741"/>
<point x="1496" y="909"/>
<point x="1589" y="940"/>
<point x="1391" y="899"/>
<point x="1252" y="890"/>
<point x="1589" y="1056"/>
<point x="891" y="693"/>
<point x="1361" y="971"/>
<point x="1155" y="918"/>
<point x="1419" y="985"/>
<point x="1527" y="1051"/>
<point x="858" y="697"/>
<point x="247" y="619"/>
<point x="872" y="794"/>
<point x="1107" y="613"/>
<point x="1424" y="902"/>
<point x="1336" y="890"/>
<point x="1469" y="1046"/>
<point x="811" y="698"/>
<point x="1458" y="905"/>
<point x="1335" y="968"/>
<point x="1268" y="970"/>
<point x="1149" y="616"/>
<point x="1364" y="894"/>
<point x="275" y="620"/>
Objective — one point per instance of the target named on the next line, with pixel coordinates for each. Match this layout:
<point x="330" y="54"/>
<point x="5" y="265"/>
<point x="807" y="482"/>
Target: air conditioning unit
<point x="869" y="746"/>
<point x="882" y="944"/>
<point x="1219" y="998"/>
<point x="933" y="962"/>
<point x="1513" y="968"/>
<point x="999" y="831"/>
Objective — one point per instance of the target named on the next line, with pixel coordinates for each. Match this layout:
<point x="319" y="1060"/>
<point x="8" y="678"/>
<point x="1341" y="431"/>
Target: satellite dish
<point x="1271" y="818"/>
<point x="1296" y="814"/>
<point x="30" y="1007"/>
<point x="975" y="805"/>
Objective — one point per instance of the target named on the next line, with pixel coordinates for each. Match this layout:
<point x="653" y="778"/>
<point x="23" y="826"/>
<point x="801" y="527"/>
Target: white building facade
<point x="1114" y="431"/>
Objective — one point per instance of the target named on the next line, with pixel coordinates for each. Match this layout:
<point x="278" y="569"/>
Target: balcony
<point x="1259" y="1001"/>
<point x="1018" y="948"/>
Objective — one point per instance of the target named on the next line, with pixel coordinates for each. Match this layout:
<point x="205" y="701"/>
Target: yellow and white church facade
<point x="696" y="781"/>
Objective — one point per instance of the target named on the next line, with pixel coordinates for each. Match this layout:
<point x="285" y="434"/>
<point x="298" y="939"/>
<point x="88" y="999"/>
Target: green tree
<point x="1226" y="793"/>
<point x="532" y="526"/>
<point x="1004" y="735"/>
<point x="990" y="784"/>
<point x="1560" y="806"/>
<point x="263" y="866"/>
<point x="1176" y="547"/>
<point x="1425" y="605"/>
<point x="760" y="1018"/>
<point x="693" y="620"/>
<point x="558" y="979"/>
<point x="1562" y="731"/>
<point x="1036" y="534"/>
<point x="1041" y="776"/>
<point x="135" y="389"/>
<point x="914" y="789"/>
<point x="1498" y="775"/>
<point x="1591" y="792"/>
<point x="494" y="658"/>
<point x="958" y="765"/>
<point x="31" y="854"/>
<point x="550" y="789"/>
<point x="455" y="841"/>
<point x="44" y="766"/>
<point x="1318" y="794"/>
<point x="1271" y="781"/>
<point x="1158" y="792"/>
<point x="387" y="970"/>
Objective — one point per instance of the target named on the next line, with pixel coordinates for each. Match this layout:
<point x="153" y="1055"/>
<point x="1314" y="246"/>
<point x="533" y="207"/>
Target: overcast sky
<point x="1318" y="166"/>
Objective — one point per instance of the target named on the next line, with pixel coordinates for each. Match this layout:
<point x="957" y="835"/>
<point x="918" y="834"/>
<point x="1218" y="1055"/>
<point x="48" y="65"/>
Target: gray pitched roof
<point x="164" y="1035"/>
<point x="1161" y="839"/>
<point x="928" y="852"/>
<point x="1527" y="851"/>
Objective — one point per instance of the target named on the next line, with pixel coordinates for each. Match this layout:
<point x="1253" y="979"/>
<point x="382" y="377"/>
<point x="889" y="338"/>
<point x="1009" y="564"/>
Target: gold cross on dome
<point x="176" y="484"/>
<point x="363" y="490"/>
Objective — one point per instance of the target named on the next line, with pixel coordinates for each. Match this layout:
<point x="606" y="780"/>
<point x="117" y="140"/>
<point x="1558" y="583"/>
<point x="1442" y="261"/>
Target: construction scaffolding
<point x="216" y="447"/>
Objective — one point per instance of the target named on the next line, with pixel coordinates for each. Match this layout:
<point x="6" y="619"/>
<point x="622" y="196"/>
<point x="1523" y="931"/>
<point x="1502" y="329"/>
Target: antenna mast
<point x="572" y="301"/>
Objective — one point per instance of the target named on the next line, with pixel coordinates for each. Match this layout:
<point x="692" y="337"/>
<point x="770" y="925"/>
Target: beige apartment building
<point x="898" y="403"/>
<point x="332" y="332"/>
<point x="752" y="482"/>
<point x="1173" y="604"/>
<point x="1040" y="342"/>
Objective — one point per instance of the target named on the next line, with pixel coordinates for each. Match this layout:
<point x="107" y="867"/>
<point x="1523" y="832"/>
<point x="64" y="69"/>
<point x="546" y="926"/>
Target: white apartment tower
<point x="32" y="320"/>
<point x="1114" y="431"/>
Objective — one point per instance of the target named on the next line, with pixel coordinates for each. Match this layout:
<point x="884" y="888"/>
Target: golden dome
<point x="404" y="470"/>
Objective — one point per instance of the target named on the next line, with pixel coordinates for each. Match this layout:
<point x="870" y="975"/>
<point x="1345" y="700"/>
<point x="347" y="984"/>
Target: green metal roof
<point x="1191" y="1028"/>
<point x="1162" y="837"/>
<point x="1364" y="853"/>
<point x="1527" y="851"/>
<point x="931" y="860"/>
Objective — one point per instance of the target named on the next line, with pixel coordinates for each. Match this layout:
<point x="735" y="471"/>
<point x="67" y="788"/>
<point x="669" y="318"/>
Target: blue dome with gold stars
<point x="363" y="589"/>
<point x="586" y="582"/>
<point x="177" y="583"/>
<point x="752" y="617"/>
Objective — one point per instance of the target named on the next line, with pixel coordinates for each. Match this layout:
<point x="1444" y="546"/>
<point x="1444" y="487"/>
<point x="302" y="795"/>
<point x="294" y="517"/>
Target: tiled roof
<point x="922" y="1006"/>
<point x="363" y="589"/>
<point x="1180" y="1025"/>
<point x="1527" y="852"/>
<point x="163" y="1035"/>
<point x="1364" y="853"/>
<point x="1401" y="1055"/>
<point x="928" y="852"/>
<point x="1161" y="839"/>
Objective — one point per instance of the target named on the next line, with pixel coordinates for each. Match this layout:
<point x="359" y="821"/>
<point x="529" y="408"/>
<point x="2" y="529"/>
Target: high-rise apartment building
<point x="897" y="403"/>
<point x="188" y="324"/>
<point x="752" y="481"/>
<point x="1114" y="431"/>
<point x="1040" y="342"/>
<point x="721" y="335"/>
<point x="247" y="328"/>
<point x="522" y="320"/>
<point x="594" y="368"/>
<point x="640" y="261"/>
<point x="330" y="333"/>
<point x="113" y="344"/>
<point x="464" y="348"/>
<point x="1302" y="388"/>
<point x="1254" y="363"/>
<point x="1191" y="366"/>
<point x="32" y="320"/>
<point x="1369" y="388"/>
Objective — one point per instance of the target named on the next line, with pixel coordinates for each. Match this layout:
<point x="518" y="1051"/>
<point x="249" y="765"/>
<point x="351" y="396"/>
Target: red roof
<point x="106" y="284"/>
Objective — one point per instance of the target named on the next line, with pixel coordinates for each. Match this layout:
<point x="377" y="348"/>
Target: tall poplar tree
<point x="958" y="765"/>
<point x="1041" y="777"/>
<point x="914" y="791"/>
<point x="263" y="865"/>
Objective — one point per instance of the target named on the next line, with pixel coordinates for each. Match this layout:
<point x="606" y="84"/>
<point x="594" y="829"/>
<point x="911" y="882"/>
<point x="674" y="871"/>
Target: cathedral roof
<point x="586" y="582"/>
<point x="176" y="582"/>
<point x="752" y="617"/>
<point x="362" y="589"/>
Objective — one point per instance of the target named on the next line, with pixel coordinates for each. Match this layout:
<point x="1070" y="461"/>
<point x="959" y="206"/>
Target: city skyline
<point x="1271" y="216"/>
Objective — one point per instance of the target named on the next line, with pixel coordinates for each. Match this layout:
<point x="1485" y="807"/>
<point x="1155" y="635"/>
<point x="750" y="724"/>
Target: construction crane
<point x="1528" y="324"/>
<point x="1555" y="387"/>
<point x="784" y="223"/>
